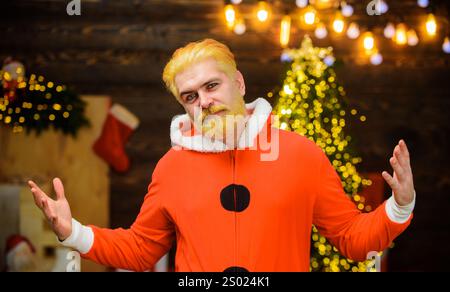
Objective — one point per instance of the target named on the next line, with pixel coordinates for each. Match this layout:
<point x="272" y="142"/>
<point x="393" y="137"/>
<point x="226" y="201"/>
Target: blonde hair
<point x="195" y="52"/>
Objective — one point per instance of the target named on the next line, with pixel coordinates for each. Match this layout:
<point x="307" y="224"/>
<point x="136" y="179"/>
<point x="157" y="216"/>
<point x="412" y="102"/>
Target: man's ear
<point x="240" y="82"/>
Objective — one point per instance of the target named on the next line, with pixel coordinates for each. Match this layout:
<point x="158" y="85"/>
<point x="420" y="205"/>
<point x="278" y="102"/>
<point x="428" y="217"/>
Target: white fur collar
<point x="182" y="123"/>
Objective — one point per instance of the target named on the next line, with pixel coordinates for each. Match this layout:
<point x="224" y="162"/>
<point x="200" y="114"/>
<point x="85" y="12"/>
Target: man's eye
<point x="212" y="85"/>
<point x="191" y="97"/>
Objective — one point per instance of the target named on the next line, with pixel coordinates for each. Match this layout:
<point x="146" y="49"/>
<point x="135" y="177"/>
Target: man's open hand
<point x="402" y="183"/>
<point x="57" y="212"/>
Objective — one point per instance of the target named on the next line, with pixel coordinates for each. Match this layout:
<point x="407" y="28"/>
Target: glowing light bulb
<point x="236" y="1"/>
<point x="329" y="60"/>
<point x="240" y="27"/>
<point x="400" y="35"/>
<point x="353" y="31"/>
<point x="431" y="25"/>
<point x="411" y="35"/>
<point x="446" y="46"/>
<point x="263" y="11"/>
<point x="347" y="10"/>
<point x="301" y="3"/>
<point x="287" y="90"/>
<point x="321" y="31"/>
<point x="285" y="57"/>
<point x="338" y="23"/>
<point x="376" y="59"/>
<point x="423" y="3"/>
<point x="309" y="17"/>
<point x="381" y="6"/>
<point x="389" y="31"/>
<point x="230" y="15"/>
<point x="285" y="30"/>
<point x="368" y="41"/>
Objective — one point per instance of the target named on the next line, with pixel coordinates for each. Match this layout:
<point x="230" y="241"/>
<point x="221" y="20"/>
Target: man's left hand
<point x="402" y="183"/>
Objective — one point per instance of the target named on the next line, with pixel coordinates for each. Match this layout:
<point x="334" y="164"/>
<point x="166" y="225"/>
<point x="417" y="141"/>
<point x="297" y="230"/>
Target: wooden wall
<point x="119" y="48"/>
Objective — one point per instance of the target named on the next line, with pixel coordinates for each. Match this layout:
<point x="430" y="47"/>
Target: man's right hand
<point x="57" y="212"/>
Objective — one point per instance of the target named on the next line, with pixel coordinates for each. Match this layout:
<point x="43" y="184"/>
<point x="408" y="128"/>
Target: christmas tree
<point x="34" y="104"/>
<point x="312" y="103"/>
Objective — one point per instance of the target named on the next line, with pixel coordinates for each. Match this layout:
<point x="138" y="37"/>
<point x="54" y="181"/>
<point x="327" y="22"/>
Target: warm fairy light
<point x="309" y="17"/>
<point x="353" y="31"/>
<point x="347" y="10"/>
<point x="431" y="25"/>
<point x="263" y="11"/>
<point x="423" y="3"/>
<point x="287" y="90"/>
<point x="301" y="3"/>
<point x="412" y="37"/>
<point x="389" y="31"/>
<point x="400" y="34"/>
<point x="239" y="26"/>
<point x="381" y="7"/>
<point x="338" y="23"/>
<point x="376" y="59"/>
<point x="368" y="41"/>
<point x="446" y="46"/>
<point x="230" y="15"/>
<point x="321" y="31"/>
<point x="285" y="30"/>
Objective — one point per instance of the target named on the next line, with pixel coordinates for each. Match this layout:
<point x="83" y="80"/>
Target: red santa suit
<point x="231" y="210"/>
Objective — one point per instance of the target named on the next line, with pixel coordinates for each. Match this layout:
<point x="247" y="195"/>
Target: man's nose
<point x="205" y="100"/>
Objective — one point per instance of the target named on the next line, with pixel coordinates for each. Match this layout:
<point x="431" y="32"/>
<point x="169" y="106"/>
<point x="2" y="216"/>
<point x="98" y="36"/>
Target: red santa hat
<point x="14" y="240"/>
<point x="16" y="260"/>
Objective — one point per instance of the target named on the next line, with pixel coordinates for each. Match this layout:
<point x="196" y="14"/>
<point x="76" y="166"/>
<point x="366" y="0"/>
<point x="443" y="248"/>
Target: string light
<point x="353" y="31"/>
<point x="263" y="11"/>
<point x="376" y="58"/>
<point x="301" y="3"/>
<point x="240" y="27"/>
<point x="368" y="41"/>
<point x="400" y="34"/>
<point x="309" y="16"/>
<point x="423" y="3"/>
<point x="389" y="31"/>
<point x="230" y="15"/>
<point x="412" y="37"/>
<point x="446" y="46"/>
<point x="338" y="23"/>
<point x="285" y="30"/>
<point x="321" y="31"/>
<point x="431" y="25"/>
<point x="381" y="6"/>
<point x="346" y="9"/>
<point x="329" y="60"/>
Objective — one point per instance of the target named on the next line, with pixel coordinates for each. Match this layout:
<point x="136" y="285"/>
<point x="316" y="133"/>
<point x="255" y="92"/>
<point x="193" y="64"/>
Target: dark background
<point x="119" y="48"/>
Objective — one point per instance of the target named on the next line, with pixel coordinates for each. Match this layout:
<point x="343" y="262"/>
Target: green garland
<point x="32" y="104"/>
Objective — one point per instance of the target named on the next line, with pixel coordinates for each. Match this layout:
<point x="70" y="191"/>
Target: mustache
<point x="212" y="110"/>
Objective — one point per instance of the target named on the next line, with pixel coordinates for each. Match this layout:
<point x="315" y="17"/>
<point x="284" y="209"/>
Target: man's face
<point x="210" y="96"/>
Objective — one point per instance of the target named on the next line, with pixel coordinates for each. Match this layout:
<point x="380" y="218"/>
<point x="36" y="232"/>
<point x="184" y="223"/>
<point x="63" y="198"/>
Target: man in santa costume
<point x="227" y="206"/>
<point x="20" y="254"/>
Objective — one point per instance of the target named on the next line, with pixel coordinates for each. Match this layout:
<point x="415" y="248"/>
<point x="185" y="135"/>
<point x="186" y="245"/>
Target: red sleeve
<point x="353" y="233"/>
<point x="141" y="246"/>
